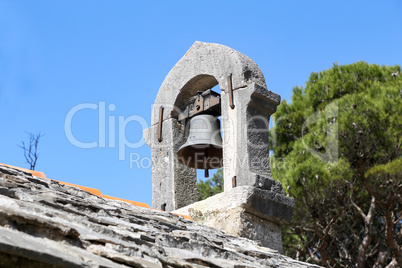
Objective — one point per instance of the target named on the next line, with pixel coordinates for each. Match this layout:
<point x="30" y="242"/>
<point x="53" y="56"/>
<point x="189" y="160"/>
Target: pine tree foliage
<point x="211" y="186"/>
<point x="337" y="151"/>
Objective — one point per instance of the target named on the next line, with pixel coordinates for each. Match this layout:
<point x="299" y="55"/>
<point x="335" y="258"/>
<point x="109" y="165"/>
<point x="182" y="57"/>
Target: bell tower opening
<point x="200" y="115"/>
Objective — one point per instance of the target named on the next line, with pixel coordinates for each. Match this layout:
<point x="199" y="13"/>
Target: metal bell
<point x="203" y="148"/>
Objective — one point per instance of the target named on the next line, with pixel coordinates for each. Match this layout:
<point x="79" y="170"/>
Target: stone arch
<point x="210" y="59"/>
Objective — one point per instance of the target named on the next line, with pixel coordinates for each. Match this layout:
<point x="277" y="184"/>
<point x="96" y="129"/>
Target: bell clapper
<point x="206" y="174"/>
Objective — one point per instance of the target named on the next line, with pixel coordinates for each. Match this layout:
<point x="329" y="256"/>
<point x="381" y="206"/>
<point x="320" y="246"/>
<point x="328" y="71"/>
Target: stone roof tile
<point x="44" y="223"/>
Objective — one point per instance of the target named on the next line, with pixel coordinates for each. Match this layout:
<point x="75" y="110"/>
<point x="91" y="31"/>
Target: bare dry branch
<point x="31" y="149"/>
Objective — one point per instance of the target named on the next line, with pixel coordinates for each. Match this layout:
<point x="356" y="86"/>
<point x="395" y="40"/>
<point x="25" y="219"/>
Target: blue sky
<point x="55" y="55"/>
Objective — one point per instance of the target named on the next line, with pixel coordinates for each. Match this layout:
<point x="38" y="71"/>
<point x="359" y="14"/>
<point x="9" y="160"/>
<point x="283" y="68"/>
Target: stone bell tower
<point x="253" y="205"/>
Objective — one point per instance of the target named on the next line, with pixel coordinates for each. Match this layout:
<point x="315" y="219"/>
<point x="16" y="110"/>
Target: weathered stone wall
<point x="46" y="224"/>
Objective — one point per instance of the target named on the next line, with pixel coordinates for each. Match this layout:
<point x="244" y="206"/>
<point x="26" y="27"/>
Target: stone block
<point x="245" y="211"/>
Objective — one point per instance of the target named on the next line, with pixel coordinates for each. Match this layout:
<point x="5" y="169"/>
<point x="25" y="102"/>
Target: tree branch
<point x="31" y="150"/>
<point x="368" y="234"/>
<point x="359" y="210"/>
<point x="391" y="241"/>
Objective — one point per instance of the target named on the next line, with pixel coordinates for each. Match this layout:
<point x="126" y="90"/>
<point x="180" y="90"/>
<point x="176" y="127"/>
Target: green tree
<point x="337" y="151"/>
<point x="211" y="186"/>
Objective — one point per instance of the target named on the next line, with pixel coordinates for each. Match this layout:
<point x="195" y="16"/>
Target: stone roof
<point x="47" y="224"/>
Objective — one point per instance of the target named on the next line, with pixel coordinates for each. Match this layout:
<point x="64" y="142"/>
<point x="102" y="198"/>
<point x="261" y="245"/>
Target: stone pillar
<point x="246" y="143"/>
<point x="173" y="184"/>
